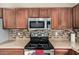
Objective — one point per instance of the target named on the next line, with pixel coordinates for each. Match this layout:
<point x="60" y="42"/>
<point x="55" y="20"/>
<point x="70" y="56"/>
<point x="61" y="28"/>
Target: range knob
<point x="42" y="34"/>
<point x="36" y="35"/>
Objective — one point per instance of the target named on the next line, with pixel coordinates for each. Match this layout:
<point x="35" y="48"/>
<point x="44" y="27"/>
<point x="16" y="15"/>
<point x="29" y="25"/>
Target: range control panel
<point x="39" y="34"/>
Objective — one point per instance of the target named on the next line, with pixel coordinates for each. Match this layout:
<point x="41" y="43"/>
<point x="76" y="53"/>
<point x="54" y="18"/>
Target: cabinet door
<point x="77" y="17"/>
<point x="75" y="53"/>
<point x="74" y="18"/>
<point x="34" y="12"/>
<point x="70" y="18"/>
<point x="61" y="51"/>
<point x="55" y="18"/>
<point x="72" y="52"/>
<point x="21" y="17"/>
<point x="11" y="51"/>
<point x="45" y="12"/>
<point x="9" y="18"/>
<point x="65" y="18"/>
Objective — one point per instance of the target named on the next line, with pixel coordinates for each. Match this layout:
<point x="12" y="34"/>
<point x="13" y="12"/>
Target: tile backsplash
<point x="77" y="34"/>
<point x="54" y="34"/>
<point x="18" y="33"/>
<point x="60" y="34"/>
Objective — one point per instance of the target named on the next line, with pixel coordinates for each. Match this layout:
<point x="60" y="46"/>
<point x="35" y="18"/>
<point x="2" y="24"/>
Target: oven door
<point x="35" y="52"/>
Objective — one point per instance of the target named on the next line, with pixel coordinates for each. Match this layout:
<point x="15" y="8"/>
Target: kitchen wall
<point x="61" y="19"/>
<point x="36" y="5"/>
<point x="4" y="35"/>
<point x="20" y="34"/>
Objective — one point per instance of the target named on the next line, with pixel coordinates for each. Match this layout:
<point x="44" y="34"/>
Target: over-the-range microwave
<point x="39" y="23"/>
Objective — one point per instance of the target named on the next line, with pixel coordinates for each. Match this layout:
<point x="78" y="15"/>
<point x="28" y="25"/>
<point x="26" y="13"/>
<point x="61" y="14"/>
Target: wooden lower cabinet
<point x="11" y="51"/>
<point x="61" y="51"/>
<point x="65" y="51"/>
<point x="72" y="52"/>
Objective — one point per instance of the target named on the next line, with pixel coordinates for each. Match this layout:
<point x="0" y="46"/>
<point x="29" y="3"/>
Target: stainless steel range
<point x="39" y="41"/>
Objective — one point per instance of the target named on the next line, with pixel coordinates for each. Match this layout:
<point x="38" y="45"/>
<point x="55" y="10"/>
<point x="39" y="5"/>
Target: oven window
<point x="36" y="24"/>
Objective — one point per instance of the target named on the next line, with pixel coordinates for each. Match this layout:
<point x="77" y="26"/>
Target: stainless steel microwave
<point x="39" y="23"/>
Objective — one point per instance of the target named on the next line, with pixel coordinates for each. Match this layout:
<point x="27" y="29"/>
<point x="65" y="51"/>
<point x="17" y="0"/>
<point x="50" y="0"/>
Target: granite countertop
<point x="61" y="44"/>
<point x="14" y="44"/>
<point x="76" y="47"/>
<point x="65" y="44"/>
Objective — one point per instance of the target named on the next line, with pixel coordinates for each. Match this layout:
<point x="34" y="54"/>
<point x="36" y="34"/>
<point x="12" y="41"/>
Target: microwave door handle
<point x="45" y="24"/>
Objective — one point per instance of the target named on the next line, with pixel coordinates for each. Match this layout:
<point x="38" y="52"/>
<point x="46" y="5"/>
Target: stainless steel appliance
<point x="39" y="41"/>
<point x="39" y="23"/>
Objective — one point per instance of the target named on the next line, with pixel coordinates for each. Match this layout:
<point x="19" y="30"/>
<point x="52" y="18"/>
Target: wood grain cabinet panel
<point x="34" y="12"/>
<point x="45" y="12"/>
<point x="40" y="12"/>
<point x="9" y="18"/>
<point x="15" y="18"/>
<point x="11" y="51"/>
<point x="18" y="18"/>
<point x="65" y="51"/>
<point x="69" y="23"/>
<point x="61" y="18"/>
<point x="21" y="17"/>
<point x="72" y="52"/>
<point x="76" y="17"/>
<point x="65" y="18"/>
<point x="55" y="18"/>
<point x="61" y="51"/>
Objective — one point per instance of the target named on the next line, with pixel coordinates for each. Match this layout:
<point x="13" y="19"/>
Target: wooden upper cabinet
<point x="40" y="12"/>
<point x="45" y="12"/>
<point x="15" y="18"/>
<point x="65" y="18"/>
<point x="77" y="17"/>
<point x="61" y="18"/>
<point x="9" y="18"/>
<point x="55" y="18"/>
<point x="74" y="18"/>
<point x="21" y="17"/>
<point x="69" y="23"/>
<point x="34" y="12"/>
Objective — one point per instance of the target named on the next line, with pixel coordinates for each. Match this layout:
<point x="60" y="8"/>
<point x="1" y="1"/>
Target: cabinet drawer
<point x="11" y="51"/>
<point x="61" y="51"/>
